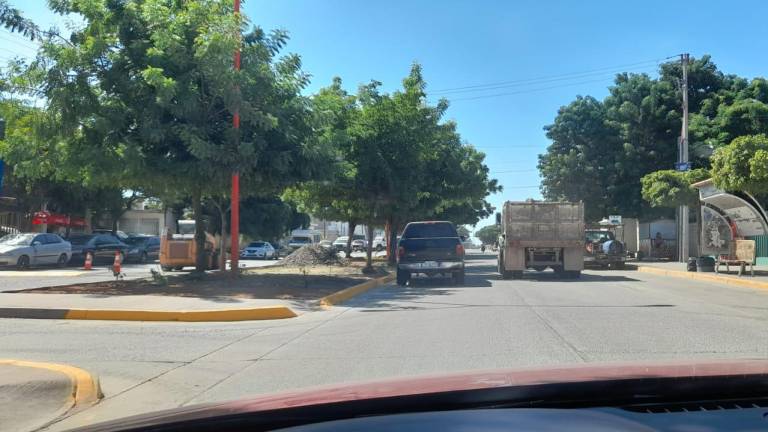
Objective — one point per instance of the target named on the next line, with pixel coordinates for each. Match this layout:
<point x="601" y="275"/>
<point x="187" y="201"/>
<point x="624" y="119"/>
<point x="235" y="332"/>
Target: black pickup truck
<point x="430" y="247"/>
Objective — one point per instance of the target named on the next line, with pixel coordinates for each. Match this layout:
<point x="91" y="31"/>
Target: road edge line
<point x="348" y="293"/>
<point x="703" y="277"/>
<point x="86" y="389"/>
<point x="249" y="314"/>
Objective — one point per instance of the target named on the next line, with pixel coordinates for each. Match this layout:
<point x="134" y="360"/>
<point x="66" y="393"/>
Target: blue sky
<point x="471" y="43"/>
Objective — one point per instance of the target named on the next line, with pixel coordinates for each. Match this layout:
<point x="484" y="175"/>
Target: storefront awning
<point x="44" y="217"/>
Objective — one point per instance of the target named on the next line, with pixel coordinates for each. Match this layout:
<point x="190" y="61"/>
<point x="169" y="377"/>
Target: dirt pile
<point x="313" y="255"/>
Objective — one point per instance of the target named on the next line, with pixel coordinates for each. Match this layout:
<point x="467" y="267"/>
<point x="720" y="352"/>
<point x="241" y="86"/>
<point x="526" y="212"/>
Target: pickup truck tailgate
<point x="429" y="249"/>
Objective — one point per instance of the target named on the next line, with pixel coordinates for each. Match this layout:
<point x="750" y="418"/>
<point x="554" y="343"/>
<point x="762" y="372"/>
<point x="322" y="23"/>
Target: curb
<point x="252" y="314"/>
<point x="348" y="293"/>
<point x="85" y="387"/>
<point x="703" y="277"/>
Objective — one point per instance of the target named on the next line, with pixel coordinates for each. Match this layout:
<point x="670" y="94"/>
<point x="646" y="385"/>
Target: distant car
<point x="326" y="244"/>
<point x="430" y="248"/>
<point x="359" y="245"/>
<point x="298" y="241"/>
<point x="380" y="243"/>
<point x="340" y="243"/>
<point x="103" y="247"/>
<point x="259" y="250"/>
<point x="143" y="248"/>
<point x="33" y="249"/>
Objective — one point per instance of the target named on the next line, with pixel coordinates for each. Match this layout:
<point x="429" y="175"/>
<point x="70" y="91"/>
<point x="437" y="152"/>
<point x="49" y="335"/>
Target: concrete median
<point x="350" y="292"/>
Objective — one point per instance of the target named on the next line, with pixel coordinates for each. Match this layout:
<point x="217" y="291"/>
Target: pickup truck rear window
<point x="429" y="230"/>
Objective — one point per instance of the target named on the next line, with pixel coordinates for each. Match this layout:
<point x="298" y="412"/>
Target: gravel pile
<point x="313" y="255"/>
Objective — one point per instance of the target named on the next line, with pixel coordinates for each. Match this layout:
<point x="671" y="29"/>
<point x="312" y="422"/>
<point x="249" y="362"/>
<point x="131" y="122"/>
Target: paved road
<point x="11" y="279"/>
<point x="428" y="327"/>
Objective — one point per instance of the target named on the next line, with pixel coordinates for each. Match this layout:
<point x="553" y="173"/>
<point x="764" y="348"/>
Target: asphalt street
<point x="430" y="326"/>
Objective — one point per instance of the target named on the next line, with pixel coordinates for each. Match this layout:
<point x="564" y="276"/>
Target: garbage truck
<point x="539" y="235"/>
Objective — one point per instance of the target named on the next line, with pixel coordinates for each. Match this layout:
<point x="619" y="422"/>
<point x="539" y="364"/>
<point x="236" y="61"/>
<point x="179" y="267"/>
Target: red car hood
<point x="430" y="384"/>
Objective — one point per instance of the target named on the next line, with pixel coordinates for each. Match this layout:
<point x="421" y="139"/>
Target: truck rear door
<point x="430" y="242"/>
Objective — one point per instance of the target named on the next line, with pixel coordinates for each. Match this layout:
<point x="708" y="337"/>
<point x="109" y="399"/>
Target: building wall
<point x="151" y="222"/>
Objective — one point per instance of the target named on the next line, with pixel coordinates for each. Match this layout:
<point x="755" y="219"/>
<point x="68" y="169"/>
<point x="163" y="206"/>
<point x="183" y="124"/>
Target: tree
<point x="742" y="165"/>
<point x="488" y="234"/>
<point x="601" y="149"/>
<point x="142" y="95"/>
<point x="670" y="188"/>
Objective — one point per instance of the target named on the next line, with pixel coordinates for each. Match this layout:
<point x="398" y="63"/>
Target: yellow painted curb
<point x="260" y="313"/>
<point x="352" y="291"/>
<point x="704" y="277"/>
<point x="85" y="387"/>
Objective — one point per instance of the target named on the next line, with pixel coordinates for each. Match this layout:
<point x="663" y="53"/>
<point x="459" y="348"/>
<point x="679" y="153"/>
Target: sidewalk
<point x="676" y="269"/>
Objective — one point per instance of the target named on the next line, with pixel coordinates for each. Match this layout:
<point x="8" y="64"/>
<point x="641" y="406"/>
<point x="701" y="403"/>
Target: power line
<point x="544" y="81"/>
<point x="526" y="91"/>
<point x="553" y="76"/>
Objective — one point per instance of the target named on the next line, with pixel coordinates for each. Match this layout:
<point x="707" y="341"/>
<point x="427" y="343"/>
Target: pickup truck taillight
<point x="459" y="250"/>
<point x="400" y="252"/>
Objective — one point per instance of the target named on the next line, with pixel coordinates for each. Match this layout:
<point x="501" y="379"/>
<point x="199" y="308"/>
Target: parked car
<point x="380" y="243"/>
<point x="259" y="250"/>
<point x="120" y="234"/>
<point x="359" y="245"/>
<point x="326" y="244"/>
<point x="430" y="247"/>
<point x="143" y="248"/>
<point x="341" y="242"/>
<point x="103" y="247"/>
<point x="33" y="249"/>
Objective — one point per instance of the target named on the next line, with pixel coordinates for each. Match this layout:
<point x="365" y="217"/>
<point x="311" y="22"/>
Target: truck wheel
<point x="540" y="268"/>
<point x="517" y="274"/>
<point x="458" y="278"/>
<point x="618" y="265"/>
<point x="500" y="266"/>
<point x="403" y="277"/>
<point x="166" y="268"/>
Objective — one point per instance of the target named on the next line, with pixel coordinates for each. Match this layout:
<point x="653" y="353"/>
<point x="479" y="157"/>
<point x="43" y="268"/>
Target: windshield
<point x="17" y="239"/>
<point x="137" y="241"/>
<point x="504" y="185"/>
<point x="426" y="230"/>
<point x="599" y="236"/>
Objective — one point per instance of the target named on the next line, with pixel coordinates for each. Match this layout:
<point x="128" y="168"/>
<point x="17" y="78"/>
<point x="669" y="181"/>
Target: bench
<point x="744" y="256"/>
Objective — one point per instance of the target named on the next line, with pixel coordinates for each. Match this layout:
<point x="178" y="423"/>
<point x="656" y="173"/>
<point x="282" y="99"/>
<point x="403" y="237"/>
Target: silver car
<point x="32" y="249"/>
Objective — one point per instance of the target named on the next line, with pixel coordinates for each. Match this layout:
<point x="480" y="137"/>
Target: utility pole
<point x="682" y="159"/>
<point x="235" y="207"/>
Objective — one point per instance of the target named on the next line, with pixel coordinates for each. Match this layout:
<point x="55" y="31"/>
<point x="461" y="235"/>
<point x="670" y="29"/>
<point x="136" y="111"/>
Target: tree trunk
<point x="392" y="243"/>
<point x="197" y="209"/>
<point x="369" y="249"/>
<point x="352" y="226"/>
<point x="223" y="241"/>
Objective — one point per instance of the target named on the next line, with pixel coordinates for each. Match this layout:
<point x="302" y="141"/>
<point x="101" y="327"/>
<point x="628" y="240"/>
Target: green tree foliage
<point x="670" y="188"/>
<point x="143" y="95"/>
<point x="488" y="234"/>
<point x="601" y="149"/>
<point x="742" y="165"/>
<point x="396" y="160"/>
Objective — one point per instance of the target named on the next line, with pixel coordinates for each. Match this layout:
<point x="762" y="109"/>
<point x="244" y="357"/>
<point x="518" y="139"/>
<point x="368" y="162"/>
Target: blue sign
<point x="683" y="166"/>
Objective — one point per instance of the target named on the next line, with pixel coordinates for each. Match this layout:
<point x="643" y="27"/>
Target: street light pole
<point x="235" y="207"/>
<point x="683" y="160"/>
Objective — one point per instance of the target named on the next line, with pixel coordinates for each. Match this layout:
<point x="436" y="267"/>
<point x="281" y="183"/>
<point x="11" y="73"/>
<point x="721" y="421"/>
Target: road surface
<point x="429" y="327"/>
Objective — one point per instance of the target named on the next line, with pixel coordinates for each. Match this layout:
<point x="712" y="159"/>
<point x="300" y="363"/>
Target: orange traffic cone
<point x="88" y="261"/>
<point x="116" y="265"/>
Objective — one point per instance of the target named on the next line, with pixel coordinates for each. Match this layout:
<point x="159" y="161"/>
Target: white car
<point x="379" y="243"/>
<point x="258" y="250"/>
<point x="33" y="249"/>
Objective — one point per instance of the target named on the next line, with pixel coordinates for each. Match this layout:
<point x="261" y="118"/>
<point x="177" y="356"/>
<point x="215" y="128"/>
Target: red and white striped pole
<point x="235" y="206"/>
